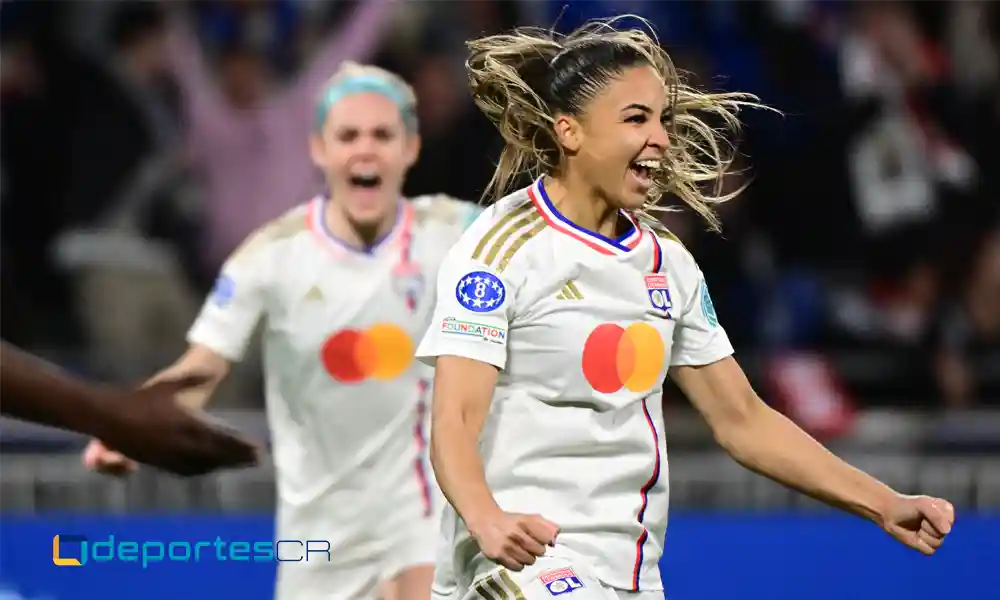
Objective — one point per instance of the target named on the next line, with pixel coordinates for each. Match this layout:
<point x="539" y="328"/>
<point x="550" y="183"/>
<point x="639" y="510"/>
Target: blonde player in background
<point x="548" y="433"/>
<point x="340" y="284"/>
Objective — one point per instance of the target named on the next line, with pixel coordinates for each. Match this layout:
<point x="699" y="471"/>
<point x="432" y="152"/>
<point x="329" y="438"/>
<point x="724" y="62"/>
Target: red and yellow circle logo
<point x="616" y="358"/>
<point x="381" y="352"/>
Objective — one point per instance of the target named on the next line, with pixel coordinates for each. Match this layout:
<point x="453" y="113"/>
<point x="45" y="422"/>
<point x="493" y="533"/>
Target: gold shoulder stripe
<point x="504" y="237"/>
<point x="666" y="234"/>
<point x="521" y="240"/>
<point x="285" y="226"/>
<point x="500" y="224"/>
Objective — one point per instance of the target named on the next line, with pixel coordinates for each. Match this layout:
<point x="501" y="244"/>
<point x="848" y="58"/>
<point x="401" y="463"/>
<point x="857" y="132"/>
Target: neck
<point x="582" y="204"/>
<point x="360" y="236"/>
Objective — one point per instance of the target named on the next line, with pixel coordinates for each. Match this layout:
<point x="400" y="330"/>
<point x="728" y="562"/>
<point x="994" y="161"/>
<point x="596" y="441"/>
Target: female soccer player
<point x="562" y="309"/>
<point x="339" y="282"/>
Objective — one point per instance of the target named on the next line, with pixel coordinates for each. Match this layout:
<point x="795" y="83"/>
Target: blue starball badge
<point x="707" y="308"/>
<point x="223" y="291"/>
<point x="480" y="292"/>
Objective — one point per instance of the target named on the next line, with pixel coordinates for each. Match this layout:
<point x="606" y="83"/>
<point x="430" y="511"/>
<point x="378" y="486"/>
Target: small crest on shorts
<point x="561" y="581"/>
<point x="659" y="293"/>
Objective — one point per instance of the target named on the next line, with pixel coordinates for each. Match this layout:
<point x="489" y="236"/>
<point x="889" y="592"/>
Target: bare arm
<point x="463" y="392"/>
<point x="35" y="390"/>
<point x="200" y="361"/>
<point x="205" y="107"/>
<point x="355" y="40"/>
<point x="765" y="441"/>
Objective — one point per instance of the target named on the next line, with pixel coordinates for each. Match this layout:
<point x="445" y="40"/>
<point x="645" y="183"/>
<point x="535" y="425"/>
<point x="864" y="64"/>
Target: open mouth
<point x="366" y="181"/>
<point x="643" y="170"/>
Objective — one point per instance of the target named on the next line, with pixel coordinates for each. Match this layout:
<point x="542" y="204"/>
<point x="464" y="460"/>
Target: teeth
<point x="648" y="163"/>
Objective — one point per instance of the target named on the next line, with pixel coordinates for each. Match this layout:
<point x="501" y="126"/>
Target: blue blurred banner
<point x="709" y="557"/>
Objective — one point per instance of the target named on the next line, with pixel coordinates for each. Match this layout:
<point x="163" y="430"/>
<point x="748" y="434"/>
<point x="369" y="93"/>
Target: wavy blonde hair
<point x="511" y="76"/>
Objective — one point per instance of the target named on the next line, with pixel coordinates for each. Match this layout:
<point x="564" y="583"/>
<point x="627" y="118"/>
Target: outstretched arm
<point x="205" y="109"/>
<point x="37" y="391"/>
<point x="357" y="39"/>
<point x="147" y="424"/>
<point x="765" y="441"/>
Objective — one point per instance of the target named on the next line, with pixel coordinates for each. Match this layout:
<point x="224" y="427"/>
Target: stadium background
<point x="859" y="277"/>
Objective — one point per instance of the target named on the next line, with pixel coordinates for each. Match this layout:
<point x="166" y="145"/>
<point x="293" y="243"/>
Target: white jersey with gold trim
<point x="583" y="328"/>
<point x="346" y="402"/>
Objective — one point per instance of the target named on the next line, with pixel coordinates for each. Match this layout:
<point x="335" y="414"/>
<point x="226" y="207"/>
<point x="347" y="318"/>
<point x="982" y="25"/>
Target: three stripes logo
<point x="570" y="292"/>
<point x="508" y="235"/>
<point x="499" y="586"/>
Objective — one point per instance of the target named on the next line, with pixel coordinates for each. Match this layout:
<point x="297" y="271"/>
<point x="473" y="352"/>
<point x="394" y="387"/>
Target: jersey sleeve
<point x="235" y="305"/>
<point x="472" y="312"/>
<point x="699" y="339"/>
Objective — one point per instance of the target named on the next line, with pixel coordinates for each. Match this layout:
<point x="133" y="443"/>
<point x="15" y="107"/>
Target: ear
<point x="412" y="148"/>
<point x="317" y="150"/>
<point x="569" y="134"/>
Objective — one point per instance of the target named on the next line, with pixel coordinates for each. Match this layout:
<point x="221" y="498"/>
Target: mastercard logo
<point x="381" y="352"/>
<point x="615" y="357"/>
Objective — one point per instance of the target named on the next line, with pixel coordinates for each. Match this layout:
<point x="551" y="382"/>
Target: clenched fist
<point x="514" y="540"/>
<point x="920" y="522"/>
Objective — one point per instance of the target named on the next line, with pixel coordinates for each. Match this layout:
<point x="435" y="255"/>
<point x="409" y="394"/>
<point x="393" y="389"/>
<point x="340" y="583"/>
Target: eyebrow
<point x="641" y="107"/>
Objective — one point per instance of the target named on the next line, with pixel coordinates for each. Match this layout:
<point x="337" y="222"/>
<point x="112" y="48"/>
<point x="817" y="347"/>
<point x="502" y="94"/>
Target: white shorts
<point x="548" y="579"/>
<point x="360" y="575"/>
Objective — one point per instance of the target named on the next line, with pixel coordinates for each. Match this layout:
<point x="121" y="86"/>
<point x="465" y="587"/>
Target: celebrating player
<point x="340" y="282"/>
<point x="562" y="309"/>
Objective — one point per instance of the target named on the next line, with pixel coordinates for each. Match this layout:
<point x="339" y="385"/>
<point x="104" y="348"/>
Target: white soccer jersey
<point x="345" y="399"/>
<point x="583" y="329"/>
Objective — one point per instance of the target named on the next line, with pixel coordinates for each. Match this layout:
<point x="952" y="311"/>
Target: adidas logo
<point x="569" y="292"/>
<point x="313" y="295"/>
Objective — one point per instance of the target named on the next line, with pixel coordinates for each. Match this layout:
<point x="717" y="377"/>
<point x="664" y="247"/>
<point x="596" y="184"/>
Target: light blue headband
<point x="366" y="83"/>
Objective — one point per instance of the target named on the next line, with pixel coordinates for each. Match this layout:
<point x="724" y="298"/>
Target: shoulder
<point x="267" y="239"/>
<point x="441" y="209"/>
<point x="675" y="254"/>
<point x="500" y="237"/>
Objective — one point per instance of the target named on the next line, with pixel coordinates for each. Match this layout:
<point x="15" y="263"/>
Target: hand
<point x="514" y="540"/>
<point x="150" y="427"/>
<point x="101" y="459"/>
<point x="920" y="522"/>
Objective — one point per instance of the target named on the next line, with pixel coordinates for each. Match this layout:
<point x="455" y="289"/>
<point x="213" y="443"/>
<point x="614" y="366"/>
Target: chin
<point x="633" y="200"/>
<point x="367" y="217"/>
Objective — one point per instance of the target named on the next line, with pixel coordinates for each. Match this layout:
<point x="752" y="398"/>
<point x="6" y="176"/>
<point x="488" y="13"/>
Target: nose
<point x="365" y="147"/>
<point x="659" y="137"/>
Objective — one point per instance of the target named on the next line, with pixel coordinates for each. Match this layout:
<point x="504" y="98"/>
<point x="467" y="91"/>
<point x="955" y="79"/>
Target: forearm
<point x="37" y="391"/>
<point x="458" y="468"/>
<point x="196" y="397"/>
<point x="201" y="362"/>
<point x="769" y="443"/>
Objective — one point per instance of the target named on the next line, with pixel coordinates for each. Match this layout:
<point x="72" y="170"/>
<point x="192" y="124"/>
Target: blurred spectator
<point x="969" y="326"/>
<point x="119" y="210"/>
<point x="248" y="140"/>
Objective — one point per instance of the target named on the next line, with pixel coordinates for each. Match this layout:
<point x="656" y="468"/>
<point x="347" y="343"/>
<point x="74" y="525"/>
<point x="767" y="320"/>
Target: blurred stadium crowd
<point x="142" y="141"/>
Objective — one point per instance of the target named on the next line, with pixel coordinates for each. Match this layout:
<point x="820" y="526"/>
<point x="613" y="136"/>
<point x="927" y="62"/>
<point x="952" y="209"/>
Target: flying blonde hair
<point x="511" y="74"/>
